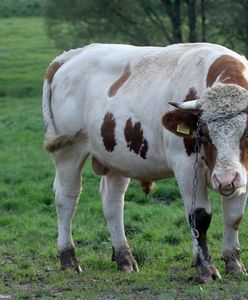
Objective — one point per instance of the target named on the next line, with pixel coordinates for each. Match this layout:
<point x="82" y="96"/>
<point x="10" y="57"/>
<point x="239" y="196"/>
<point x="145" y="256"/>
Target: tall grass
<point x="155" y="225"/>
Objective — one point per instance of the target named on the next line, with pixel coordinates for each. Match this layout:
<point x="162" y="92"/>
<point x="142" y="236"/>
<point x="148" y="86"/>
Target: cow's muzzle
<point x="227" y="183"/>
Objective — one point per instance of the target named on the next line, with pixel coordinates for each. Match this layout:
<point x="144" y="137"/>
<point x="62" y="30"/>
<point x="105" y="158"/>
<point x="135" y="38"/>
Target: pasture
<point x="155" y="225"/>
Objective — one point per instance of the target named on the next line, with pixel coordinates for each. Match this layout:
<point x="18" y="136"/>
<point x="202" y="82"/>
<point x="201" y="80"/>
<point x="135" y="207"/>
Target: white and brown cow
<point x="112" y="101"/>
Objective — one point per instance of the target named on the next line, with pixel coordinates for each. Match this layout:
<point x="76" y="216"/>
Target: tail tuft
<point x="57" y="142"/>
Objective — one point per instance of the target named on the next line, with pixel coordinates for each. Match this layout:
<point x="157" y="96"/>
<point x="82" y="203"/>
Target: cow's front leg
<point x="112" y="189"/>
<point x="201" y="211"/>
<point x="233" y="210"/>
<point x="202" y="260"/>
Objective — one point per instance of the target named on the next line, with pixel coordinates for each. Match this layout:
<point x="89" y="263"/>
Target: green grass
<point x="24" y="54"/>
<point x="155" y="225"/>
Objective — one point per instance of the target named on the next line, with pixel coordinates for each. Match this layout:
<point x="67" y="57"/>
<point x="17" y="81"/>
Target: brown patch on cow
<point x="190" y="143"/>
<point x="147" y="186"/>
<point x="210" y="155"/>
<point x="243" y="145"/>
<point x="135" y="139"/>
<point x="209" y="148"/>
<point x="120" y="81"/>
<point x="52" y="69"/>
<point x="191" y="95"/>
<point x="99" y="168"/>
<point x="227" y="69"/>
<point x="244" y="152"/>
<point x="108" y="132"/>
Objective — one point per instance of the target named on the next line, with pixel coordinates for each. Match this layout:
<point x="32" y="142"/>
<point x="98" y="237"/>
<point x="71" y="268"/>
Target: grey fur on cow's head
<point x="220" y="101"/>
<point x="223" y="99"/>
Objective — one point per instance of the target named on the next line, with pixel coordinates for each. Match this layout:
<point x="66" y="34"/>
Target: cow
<point x="146" y="113"/>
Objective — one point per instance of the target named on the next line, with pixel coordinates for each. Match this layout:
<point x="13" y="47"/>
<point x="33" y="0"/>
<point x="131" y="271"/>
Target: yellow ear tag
<point x="183" y="128"/>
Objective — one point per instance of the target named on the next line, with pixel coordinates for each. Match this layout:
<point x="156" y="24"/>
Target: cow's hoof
<point x="68" y="260"/>
<point x="233" y="262"/>
<point x="235" y="266"/>
<point x="207" y="274"/>
<point x="125" y="260"/>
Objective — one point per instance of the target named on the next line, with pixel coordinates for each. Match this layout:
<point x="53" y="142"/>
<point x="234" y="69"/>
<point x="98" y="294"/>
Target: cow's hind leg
<point x="67" y="187"/>
<point x="113" y="188"/>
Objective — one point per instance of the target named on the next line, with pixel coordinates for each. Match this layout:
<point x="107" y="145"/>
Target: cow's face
<point x="225" y="143"/>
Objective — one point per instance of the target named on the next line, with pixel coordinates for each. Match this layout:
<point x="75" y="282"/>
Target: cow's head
<point x="225" y="143"/>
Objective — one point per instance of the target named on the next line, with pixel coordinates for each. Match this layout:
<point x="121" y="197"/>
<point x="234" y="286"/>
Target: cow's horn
<point x="188" y="105"/>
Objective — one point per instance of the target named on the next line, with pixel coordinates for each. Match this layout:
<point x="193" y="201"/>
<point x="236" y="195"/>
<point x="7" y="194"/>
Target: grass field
<point x="155" y="225"/>
<point x="24" y="53"/>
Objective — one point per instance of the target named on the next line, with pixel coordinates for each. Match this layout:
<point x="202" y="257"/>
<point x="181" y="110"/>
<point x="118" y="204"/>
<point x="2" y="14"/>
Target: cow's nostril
<point x="227" y="190"/>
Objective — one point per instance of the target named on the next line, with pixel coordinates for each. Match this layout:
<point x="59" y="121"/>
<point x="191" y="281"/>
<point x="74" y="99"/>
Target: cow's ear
<point x="181" y="123"/>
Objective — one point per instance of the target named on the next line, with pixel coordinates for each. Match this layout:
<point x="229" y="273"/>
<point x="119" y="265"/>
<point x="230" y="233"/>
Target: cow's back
<point x="144" y="73"/>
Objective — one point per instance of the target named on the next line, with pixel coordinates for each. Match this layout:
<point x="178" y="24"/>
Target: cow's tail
<point x="52" y="140"/>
